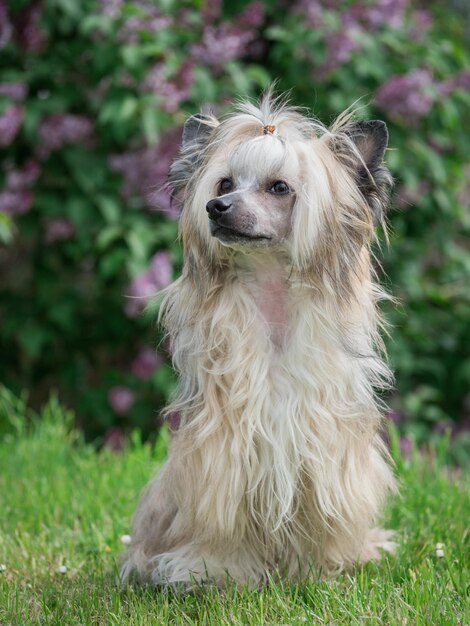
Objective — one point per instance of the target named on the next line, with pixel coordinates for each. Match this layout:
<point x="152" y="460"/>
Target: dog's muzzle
<point x="230" y="223"/>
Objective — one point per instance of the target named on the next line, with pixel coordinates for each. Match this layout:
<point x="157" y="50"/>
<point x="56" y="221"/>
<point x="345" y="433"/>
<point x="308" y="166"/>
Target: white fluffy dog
<point x="277" y="466"/>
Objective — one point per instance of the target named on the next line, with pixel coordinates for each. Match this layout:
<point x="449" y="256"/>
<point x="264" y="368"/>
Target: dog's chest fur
<point x="274" y="401"/>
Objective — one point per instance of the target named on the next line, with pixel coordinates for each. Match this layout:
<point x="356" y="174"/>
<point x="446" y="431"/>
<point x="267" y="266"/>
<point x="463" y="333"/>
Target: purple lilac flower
<point x="146" y="285"/>
<point x="6" y="28"/>
<point x="161" y="269"/>
<point x="140" y="291"/>
<point x="384" y="12"/>
<point x="221" y="44"/>
<point x="395" y="416"/>
<point x="339" y="48"/>
<point x="15" y="202"/>
<point x="147" y="20"/>
<point x="111" y="8"/>
<point x="10" y="123"/>
<point x="121" y="399"/>
<point x="23" y="177"/>
<point x="375" y="15"/>
<point x="421" y="21"/>
<point x="406" y="447"/>
<point x="145" y="363"/>
<point x="14" y="90"/>
<point x="143" y="286"/>
<point x="252" y="16"/>
<point x="459" y="81"/>
<point x="342" y="43"/>
<point x="355" y="20"/>
<point x="211" y="10"/>
<point x="62" y="128"/>
<point x="171" y="91"/>
<point x="311" y="12"/>
<point x="132" y="27"/>
<point x="145" y="173"/>
<point x="58" y="229"/>
<point x="30" y="35"/>
<point x="407" y="96"/>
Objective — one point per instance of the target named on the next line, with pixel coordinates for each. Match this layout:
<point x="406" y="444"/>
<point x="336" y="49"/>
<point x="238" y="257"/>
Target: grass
<point x="65" y="505"/>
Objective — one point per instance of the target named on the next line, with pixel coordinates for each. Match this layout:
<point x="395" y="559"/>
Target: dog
<point x="277" y="466"/>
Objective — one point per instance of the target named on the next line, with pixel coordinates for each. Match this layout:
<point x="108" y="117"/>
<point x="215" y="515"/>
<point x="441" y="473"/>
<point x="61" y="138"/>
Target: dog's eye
<point x="279" y="187"/>
<point x="225" y="185"/>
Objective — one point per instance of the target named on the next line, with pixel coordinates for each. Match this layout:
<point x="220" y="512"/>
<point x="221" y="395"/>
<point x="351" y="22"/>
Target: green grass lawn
<point x="64" y="508"/>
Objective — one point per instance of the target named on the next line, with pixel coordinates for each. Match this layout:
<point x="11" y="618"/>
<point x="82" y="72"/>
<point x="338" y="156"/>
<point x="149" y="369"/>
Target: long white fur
<point x="277" y="465"/>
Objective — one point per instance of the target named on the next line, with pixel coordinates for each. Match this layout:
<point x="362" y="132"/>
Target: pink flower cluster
<point x="17" y="198"/>
<point x="58" y="229"/>
<point x="370" y="15"/>
<point x="145" y="173"/>
<point x="6" y="27"/>
<point x="15" y="202"/>
<point x="10" y="124"/>
<point x="146" y="362"/>
<point x="147" y="19"/>
<point x="172" y="91"/>
<point x="411" y="96"/>
<point x="226" y="41"/>
<point x="26" y="27"/>
<point x="459" y="81"/>
<point x="29" y="33"/>
<point x="121" y="399"/>
<point x="220" y="44"/>
<point x="376" y="14"/>
<point x="145" y="285"/>
<point x="111" y="8"/>
<point x="354" y="21"/>
<point x="60" y="129"/>
<point x="407" y="96"/>
<point x="15" y="90"/>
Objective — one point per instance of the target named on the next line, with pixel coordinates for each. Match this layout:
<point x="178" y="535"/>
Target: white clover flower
<point x="3" y="567"/>
<point x="440" y="549"/>
<point x="62" y="569"/>
<point x="126" y="539"/>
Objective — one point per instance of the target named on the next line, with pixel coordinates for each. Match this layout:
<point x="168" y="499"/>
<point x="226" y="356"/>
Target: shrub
<point x="92" y="99"/>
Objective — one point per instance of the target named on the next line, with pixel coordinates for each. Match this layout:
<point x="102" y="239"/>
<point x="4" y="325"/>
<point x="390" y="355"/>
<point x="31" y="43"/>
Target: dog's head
<point x="271" y="179"/>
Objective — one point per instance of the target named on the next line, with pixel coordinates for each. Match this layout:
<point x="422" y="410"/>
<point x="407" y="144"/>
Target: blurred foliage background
<point x="93" y="95"/>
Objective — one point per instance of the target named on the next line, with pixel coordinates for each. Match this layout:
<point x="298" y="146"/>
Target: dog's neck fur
<point x="266" y="278"/>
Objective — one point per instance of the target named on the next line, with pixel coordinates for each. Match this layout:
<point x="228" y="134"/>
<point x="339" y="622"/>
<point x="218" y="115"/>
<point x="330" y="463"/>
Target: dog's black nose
<point x="217" y="206"/>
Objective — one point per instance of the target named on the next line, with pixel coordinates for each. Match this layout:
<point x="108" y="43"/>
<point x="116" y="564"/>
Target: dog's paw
<point x="377" y="541"/>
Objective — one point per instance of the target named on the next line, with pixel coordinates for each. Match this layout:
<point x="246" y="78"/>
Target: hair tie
<point x="269" y="129"/>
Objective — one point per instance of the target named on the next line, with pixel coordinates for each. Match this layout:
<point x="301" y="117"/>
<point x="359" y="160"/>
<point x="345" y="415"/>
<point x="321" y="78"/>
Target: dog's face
<point x="252" y="184"/>
<point x="251" y="211"/>
<point x="311" y="192"/>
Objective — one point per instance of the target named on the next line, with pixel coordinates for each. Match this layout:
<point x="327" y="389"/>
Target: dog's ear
<point x="196" y="130"/>
<point x="371" y="139"/>
<point x="196" y="134"/>
<point x="373" y="178"/>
